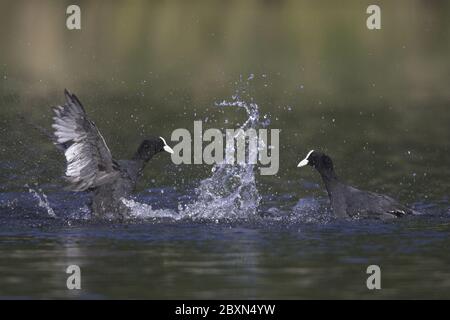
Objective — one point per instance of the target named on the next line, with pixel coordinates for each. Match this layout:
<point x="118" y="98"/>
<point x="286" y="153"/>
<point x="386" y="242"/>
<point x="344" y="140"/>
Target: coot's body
<point x="90" y="165"/>
<point x="107" y="198"/>
<point x="347" y="201"/>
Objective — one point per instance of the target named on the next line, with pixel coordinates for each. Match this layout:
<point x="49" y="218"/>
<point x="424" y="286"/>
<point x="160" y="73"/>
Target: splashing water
<point x="230" y="192"/>
<point x="42" y="200"/>
<point x="145" y="211"/>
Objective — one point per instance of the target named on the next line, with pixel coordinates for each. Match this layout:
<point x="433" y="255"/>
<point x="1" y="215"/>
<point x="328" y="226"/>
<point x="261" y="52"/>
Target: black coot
<point x="347" y="201"/>
<point x="90" y="165"/>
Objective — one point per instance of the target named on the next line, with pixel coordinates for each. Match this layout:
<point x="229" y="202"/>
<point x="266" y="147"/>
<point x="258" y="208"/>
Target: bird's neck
<point x="133" y="168"/>
<point x="334" y="190"/>
<point x="141" y="157"/>
<point x="139" y="165"/>
<point x="331" y="181"/>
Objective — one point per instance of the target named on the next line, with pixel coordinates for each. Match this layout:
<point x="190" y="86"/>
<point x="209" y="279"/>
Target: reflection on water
<point x="215" y="261"/>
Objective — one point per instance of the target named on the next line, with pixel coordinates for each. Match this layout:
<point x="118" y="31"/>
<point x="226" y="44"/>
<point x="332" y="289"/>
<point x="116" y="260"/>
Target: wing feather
<point x="89" y="160"/>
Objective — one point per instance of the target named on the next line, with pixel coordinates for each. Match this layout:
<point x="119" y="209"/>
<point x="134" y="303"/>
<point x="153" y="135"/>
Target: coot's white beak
<point x="305" y="161"/>
<point x="166" y="147"/>
<point x="302" y="163"/>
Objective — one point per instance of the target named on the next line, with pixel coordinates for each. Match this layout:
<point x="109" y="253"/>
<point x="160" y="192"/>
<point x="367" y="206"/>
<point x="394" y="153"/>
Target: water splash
<point x="42" y="200"/>
<point x="142" y="211"/>
<point x="230" y="193"/>
<point x="311" y="210"/>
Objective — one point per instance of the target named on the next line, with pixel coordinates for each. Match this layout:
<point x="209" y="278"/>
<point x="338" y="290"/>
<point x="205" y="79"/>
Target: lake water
<point x="376" y="102"/>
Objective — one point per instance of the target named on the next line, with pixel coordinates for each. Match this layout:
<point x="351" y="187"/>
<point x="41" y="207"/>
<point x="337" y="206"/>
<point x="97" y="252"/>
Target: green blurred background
<point x="377" y="101"/>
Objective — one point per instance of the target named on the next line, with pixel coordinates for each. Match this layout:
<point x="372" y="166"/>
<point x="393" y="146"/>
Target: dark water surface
<point x="204" y="260"/>
<point x="376" y="101"/>
<point x="291" y="254"/>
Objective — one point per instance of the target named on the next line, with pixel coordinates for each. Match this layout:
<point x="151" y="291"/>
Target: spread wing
<point x="89" y="161"/>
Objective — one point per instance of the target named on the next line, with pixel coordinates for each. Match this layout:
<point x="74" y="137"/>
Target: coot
<point x="90" y="166"/>
<point x="347" y="201"/>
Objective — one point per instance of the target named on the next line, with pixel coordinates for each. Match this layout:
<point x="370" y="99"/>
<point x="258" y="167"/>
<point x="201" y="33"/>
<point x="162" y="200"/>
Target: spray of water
<point x="230" y="192"/>
<point x="42" y="199"/>
<point x="145" y="211"/>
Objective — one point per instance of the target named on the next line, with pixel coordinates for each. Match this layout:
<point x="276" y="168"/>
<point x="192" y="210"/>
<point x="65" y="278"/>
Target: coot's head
<point x="318" y="160"/>
<point x="150" y="147"/>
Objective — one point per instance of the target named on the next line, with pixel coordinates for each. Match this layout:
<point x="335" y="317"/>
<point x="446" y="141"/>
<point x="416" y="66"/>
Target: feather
<point x="89" y="160"/>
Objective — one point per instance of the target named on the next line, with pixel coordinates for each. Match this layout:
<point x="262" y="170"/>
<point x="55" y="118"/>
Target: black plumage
<point x="347" y="201"/>
<point x="90" y="165"/>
